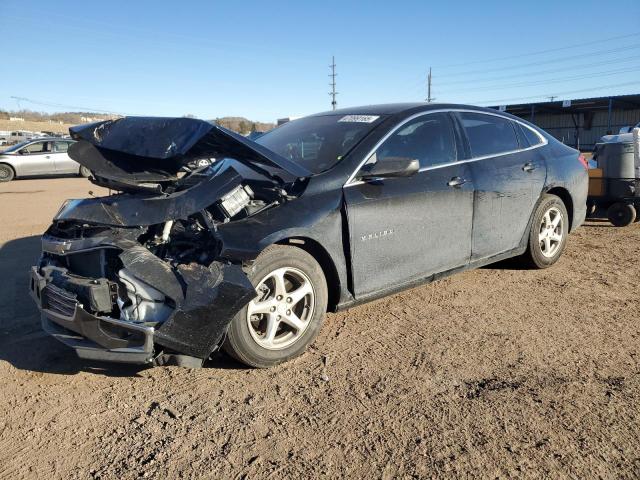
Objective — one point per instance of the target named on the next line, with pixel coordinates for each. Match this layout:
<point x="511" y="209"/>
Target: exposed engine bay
<point x="137" y="275"/>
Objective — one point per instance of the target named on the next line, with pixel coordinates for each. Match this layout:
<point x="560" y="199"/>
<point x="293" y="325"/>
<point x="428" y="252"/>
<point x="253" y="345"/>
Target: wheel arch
<point x="321" y="255"/>
<point x="15" y="173"/>
<point x="566" y="198"/>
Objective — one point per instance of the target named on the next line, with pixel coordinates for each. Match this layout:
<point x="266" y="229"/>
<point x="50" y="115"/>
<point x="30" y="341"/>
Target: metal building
<point x="580" y="123"/>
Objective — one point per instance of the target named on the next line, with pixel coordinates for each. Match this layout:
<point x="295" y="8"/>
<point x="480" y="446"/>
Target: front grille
<point x="59" y="301"/>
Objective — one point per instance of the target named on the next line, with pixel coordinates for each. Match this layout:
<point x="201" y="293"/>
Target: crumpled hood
<point x="154" y="149"/>
<point x="134" y="210"/>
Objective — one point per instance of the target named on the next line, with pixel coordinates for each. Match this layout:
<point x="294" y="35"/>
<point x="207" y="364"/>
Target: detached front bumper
<point x="92" y="337"/>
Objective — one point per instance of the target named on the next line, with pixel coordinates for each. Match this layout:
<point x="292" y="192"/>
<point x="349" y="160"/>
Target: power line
<point x="541" y="72"/>
<point x="60" y="105"/>
<point x="540" y="52"/>
<point x="543" y="62"/>
<point x="534" y="64"/>
<point x="556" y="94"/>
<point x="605" y="73"/>
<point x="333" y="76"/>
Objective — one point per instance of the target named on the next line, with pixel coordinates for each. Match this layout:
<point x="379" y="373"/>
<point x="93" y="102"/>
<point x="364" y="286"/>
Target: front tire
<point x="84" y="172"/>
<point x="6" y="173"/>
<point x="548" y="233"/>
<point x="288" y="313"/>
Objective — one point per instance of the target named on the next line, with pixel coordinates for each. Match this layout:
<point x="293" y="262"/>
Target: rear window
<point x="488" y="134"/>
<point x="318" y="143"/>
<point x="61" y="147"/>
<point x="522" y="139"/>
<point x="532" y="137"/>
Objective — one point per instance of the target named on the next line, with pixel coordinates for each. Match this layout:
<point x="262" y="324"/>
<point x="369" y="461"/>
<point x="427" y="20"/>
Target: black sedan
<point x="216" y="241"/>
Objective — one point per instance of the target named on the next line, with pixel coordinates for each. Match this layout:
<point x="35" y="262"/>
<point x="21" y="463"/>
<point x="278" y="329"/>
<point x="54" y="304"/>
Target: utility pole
<point x="333" y="75"/>
<point x="429" y="99"/>
<point x="552" y="98"/>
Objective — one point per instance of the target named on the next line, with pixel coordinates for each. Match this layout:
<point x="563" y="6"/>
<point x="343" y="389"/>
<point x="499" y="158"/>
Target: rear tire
<point x="84" y="172"/>
<point x="621" y="214"/>
<point x="288" y="313"/>
<point x="6" y="173"/>
<point x="548" y="233"/>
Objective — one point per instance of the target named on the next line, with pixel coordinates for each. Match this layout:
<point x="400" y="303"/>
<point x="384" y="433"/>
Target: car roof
<point x="395" y="108"/>
<point x="59" y="139"/>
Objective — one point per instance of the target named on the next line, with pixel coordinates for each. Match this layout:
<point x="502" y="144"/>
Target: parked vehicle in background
<point x="321" y="213"/>
<point x="44" y="156"/>
<point x="18" y="136"/>
<point x="48" y="133"/>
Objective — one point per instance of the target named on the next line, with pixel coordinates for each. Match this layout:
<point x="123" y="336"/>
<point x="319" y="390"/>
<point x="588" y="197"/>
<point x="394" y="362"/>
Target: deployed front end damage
<point x="136" y="276"/>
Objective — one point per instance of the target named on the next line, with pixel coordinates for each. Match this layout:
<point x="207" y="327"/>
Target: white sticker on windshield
<point x="359" y="118"/>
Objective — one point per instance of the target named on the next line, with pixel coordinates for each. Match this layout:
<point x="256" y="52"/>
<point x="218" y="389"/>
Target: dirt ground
<point x="497" y="372"/>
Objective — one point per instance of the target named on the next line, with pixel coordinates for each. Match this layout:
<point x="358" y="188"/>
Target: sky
<point x="270" y="59"/>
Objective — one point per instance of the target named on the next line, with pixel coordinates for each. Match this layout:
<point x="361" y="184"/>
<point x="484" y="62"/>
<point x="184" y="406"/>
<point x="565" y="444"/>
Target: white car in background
<point x="39" y="157"/>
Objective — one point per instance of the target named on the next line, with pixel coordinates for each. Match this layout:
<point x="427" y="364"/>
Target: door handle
<point x="528" y="167"/>
<point x="47" y="156"/>
<point x="456" y="182"/>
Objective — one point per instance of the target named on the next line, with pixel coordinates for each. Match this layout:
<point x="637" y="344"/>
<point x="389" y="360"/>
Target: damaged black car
<point x="209" y="240"/>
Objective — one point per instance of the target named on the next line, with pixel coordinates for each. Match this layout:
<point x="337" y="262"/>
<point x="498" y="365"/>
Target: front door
<point x="408" y="228"/>
<point x="36" y="159"/>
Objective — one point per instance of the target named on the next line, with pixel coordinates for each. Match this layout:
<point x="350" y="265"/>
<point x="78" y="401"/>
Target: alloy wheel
<point x="281" y="313"/>
<point x="551" y="232"/>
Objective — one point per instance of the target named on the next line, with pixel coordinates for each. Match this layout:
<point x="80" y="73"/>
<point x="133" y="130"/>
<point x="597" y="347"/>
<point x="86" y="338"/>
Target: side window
<point x="488" y="134"/>
<point x="37" y="147"/>
<point x="522" y="139"/>
<point x="60" y="147"/>
<point x="428" y="139"/>
<point x="532" y="137"/>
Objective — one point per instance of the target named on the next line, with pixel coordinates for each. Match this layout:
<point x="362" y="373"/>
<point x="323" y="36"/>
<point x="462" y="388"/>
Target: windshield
<point x="16" y="147"/>
<point x="318" y="143"/>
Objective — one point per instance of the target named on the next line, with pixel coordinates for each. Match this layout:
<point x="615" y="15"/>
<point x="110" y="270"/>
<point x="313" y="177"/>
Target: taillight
<point x="583" y="160"/>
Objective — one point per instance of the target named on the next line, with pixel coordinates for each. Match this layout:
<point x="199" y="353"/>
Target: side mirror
<point x="389" y="167"/>
<point x="22" y="152"/>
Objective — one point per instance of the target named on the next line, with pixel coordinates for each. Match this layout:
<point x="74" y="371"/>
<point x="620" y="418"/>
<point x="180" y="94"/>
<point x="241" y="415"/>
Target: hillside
<point x="60" y="122"/>
<point x="243" y="125"/>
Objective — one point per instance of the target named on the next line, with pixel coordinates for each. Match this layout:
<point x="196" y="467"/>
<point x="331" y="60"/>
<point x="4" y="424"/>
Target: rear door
<point x="405" y="229"/>
<point x="63" y="162"/>
<point x="508" y="176"/>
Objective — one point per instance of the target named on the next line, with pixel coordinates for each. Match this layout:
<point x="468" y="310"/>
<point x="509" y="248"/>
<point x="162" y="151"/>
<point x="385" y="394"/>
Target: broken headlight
<point x="236" y="200"/>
